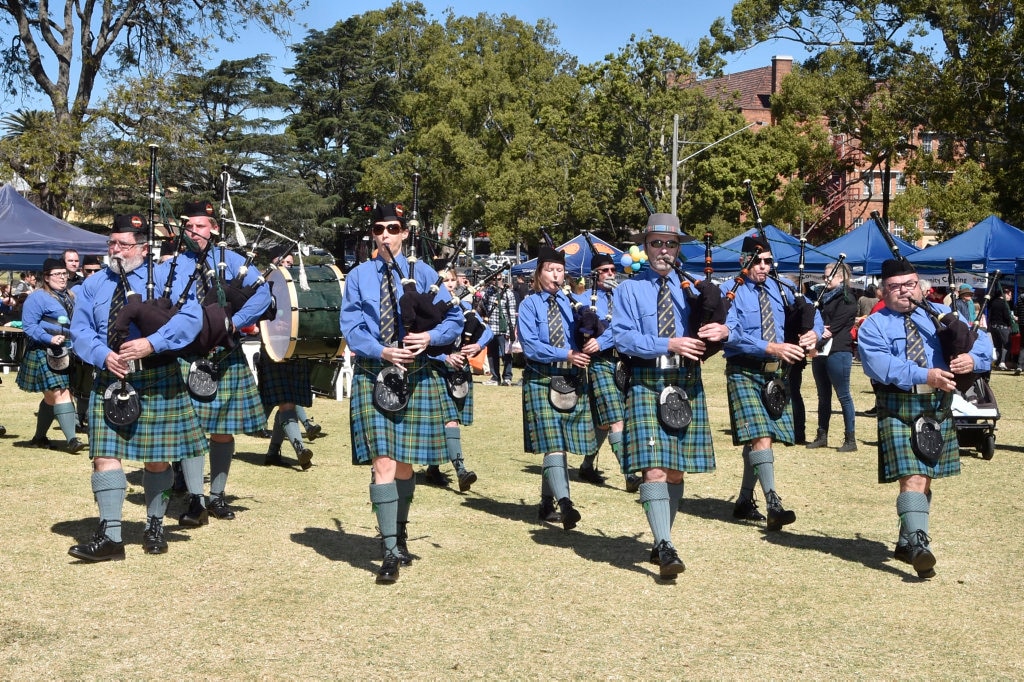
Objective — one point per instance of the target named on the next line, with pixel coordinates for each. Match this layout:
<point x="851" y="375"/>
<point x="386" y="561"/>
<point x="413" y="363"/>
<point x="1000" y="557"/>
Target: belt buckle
<point x="771" y="366"/>
<point x="923" y="389"/>
<point x="669" y="361"/>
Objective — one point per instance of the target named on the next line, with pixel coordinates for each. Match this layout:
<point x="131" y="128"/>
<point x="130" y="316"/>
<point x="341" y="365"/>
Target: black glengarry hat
<point x="131" y="222"/>
<point x="600" y="261"/>
<point x="549" y="255"/>
<point x="383" y="213"/>
<point x="754" y="243"/>
<point x="894" y="267"/>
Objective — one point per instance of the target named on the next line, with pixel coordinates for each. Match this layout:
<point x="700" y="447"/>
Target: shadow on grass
<point x="625" y="552"/>
<point x="334" y="544"/>
<point x="82" y="531"/>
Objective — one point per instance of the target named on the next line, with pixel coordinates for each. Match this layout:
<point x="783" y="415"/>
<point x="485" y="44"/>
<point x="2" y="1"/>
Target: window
<point x="901" y="183"/>
<point x="868" y="178"/>
<point x="927" y="140"/>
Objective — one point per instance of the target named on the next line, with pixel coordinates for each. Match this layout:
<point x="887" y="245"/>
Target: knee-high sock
<point x="555" y="475"/>
<point x="108" y="488"/>
<point x="300" y="413"/>
<point x="913" y="508"/>
<point x="615" y="441"/>
<point x="655" y="499"/>
<point x="43" y="419"/>
<point x="384" y="498"/>
<point x="65" y="414"/>
<point x="156" y="485"/>
<point x="220" y="465"/>
<point x="276" y="433"/>
<point x="192" y="472"/>
<point x="749" y="477"/>
<point x="406" y="489"/>
<point x="290" y="424"/>
<point x="763" y="462"/>
<point x="453" y="441"/>
<point x="675" y="494"/>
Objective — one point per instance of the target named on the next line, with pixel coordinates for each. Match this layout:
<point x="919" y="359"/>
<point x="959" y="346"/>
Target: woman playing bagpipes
<point x="395" y="419"/>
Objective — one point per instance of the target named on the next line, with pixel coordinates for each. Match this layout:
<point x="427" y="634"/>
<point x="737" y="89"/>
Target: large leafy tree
<point x="62" y="49"/>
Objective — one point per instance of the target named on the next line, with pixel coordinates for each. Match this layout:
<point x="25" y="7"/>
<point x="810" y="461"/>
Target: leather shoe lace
<point x="153" y="541"/>
<point x="99" y="548"/>
<point x="219" y="507"/>
<point x="777" y="515"/>
<point x="669" y="561"/>
<point x="916" y="553"/>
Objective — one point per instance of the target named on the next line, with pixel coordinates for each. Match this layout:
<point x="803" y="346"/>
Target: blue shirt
<point x="532" y="327"/>
<point x="92" y="312"/>
<point x="359" y="318"/>
<point x="882" y="345"/>
<point x="635" y="314"/>
<point x="485" y="337"/>
<point x="253" y="310"/>
<point x="744" y="318"/>
<point x="42" y="304"/>
<point x="606" y="340"/>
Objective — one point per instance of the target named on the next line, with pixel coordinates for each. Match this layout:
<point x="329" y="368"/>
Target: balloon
<point x="643" y="256"/>
<point x="626" y="261"/>
<point x="635" y="267"/>
<point x="634" y="251"/>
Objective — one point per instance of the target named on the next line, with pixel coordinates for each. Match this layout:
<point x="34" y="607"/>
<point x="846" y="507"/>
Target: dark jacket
<point x="839" y="312"/>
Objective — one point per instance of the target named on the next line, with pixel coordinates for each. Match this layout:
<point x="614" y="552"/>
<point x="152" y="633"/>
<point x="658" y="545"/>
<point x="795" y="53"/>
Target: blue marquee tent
<point x="865" y="249"/>
<point x="988" y="246"/>
<point x="577" y="256"/>
<point x="785" y="248"/>
<point x="29" y="235"/>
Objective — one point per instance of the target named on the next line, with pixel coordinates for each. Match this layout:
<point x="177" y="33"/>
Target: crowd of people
<point x="621" y="362"/>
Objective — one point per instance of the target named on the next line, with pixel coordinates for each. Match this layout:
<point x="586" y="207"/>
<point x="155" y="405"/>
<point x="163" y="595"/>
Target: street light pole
<point x="675" y="153"/>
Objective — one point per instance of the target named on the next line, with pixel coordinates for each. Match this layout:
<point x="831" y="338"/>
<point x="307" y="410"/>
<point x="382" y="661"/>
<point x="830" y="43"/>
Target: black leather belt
<point x="154" y="361"/>
<point x="667" y="361"/>
<point x="916" y="389"/>
<point x="607" y="354"/>
<point x="755" y="364"/>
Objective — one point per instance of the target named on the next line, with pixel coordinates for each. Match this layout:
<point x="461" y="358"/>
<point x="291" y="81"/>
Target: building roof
<point x="752" y="89"/>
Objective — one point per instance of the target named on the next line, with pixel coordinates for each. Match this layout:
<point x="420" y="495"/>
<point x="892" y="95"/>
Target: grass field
<point x="286" y="591"/>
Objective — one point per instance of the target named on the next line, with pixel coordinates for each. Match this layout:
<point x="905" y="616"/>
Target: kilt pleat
<point x="545" y="429"/>
<point x="748" y="417"/>
<point x="455" y="409"/>
<point x="896" y="458"/>
<point x="414" y="435"/>
<point x="167" y="428"/>
<point x="646" y="444"/>
<point x="236" y="408"/>
<point x="284" y="382"/>
<point x="606" y="400"/>
<point x="35" y="376"/>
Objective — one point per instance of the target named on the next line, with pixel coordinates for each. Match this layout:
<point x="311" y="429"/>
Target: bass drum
<point x="306" y="322"/>
<point x="12" y="346"/>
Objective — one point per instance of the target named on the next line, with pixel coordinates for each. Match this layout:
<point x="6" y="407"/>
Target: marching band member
<point x="167" y="428"/>
<point x="395" y="421"/>
<point x="651" y="325"/>
<point x="40" y="316"/>
<point x="457" y="410"/>
<point x="236" y="407"/>
<point x="556" y="410"/>
<point x="753" y="355"/>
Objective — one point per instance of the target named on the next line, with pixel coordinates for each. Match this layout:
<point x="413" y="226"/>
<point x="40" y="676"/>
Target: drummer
<point x="46" y="320"/>
<point x="285" y="385"/>
<point x="236" y="406"/>
<point x="385" y="433"/>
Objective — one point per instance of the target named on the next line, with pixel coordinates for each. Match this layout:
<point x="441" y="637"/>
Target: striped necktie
<point x="387" y="307"/>
<point x="915" y="344"/>
<point x="767" y="315"/>
<point x="116" y="303"/>
<point x="666" y="315"/>
<point x="556" y="333"/>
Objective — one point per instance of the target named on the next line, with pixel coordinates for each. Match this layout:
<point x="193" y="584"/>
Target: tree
<point x="62" y="54"/>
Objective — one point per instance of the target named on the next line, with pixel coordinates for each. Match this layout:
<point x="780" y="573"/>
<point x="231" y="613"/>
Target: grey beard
<point x="122" y="266"/>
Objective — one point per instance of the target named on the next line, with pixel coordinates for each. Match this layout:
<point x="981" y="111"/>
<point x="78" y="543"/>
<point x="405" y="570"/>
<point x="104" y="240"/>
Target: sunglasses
<point x="762" y="261"/>
<point x="393" y="228"/>
<point x="660" y="243"/>
<point x="92" y="270"/>
<point x="610" y="270"/>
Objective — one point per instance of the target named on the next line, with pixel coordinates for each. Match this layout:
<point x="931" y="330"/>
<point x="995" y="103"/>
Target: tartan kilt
<point x="458" y="410"/>
<point x="236" y="407"/>
<point x="606" y="400"/>
<point x="545" y="429"/>
<point x="167" y="428"/>
<point x="284" y="382"/>
<point x="896" y="458"/>
<point x="414" y="435"/>
<point x="747" y="416"/>
<point x="646" y="443"/>
<point x="35" y="376"/>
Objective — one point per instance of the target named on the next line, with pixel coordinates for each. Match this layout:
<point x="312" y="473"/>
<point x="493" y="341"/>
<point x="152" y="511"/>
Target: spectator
<point x="999" y="319"/>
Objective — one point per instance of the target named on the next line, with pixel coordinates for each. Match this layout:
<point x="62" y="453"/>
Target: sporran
<point x="391" y="390"/>
<point x="563" y="392"/>
<point x="926" y="439"/>
<point x="458" y="381"/>
<point x="121" y="404"/>
<point x="203" y="375"/>
<point x="674" y="410"/>
<point x="775" y="397"/>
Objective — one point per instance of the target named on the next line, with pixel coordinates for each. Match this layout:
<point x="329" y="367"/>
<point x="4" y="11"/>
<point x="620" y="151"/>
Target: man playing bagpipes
<point x="235" y="406"/>
<point x="166" y="428"/>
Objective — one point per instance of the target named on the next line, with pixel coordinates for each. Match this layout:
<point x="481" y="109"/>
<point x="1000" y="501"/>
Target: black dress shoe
<point x="633" y="483"/>
<point x="402" y="546"/>
<point x="434" y="476"/>
<point x="570" y="516"/>
<point x="916" y="553"/>
<point x="273" y="459"/>
<point x="305" y="456"/>
<point x="777" y="515"/>
<point x="100" y="548"/>
<point x="655" y="557"/>
<point x="153" y="537"/>
<point x="746" y="510"/>
<point x="219" y="508"/>
<point x="669" y="561"/>
<point x="466" y="480"/>
<point x="313" y="430"/>
<point x="547" y="511"/>
<point x="74" y="446"/>
<point x="40" y="442"/>
<point x="388" y="572"/>
<point x="197" y="515"/>
<point x="591" y="475"/>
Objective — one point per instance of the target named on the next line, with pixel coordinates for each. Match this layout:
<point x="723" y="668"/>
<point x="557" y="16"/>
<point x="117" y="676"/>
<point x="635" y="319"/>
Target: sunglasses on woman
<point x="393" y="228"/>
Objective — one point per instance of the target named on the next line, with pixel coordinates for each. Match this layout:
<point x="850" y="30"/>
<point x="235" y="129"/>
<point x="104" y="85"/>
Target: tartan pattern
<point x="167" y="428"/>
<point x="896" y="459"/>
<point x="414" y="435"/>
<point x="646" y="444"/>
<point x="748" y="418"/>
<point x="236" y="408"/>
<point x="35" y="376"/>
<point x="545" y="429"/>
<point x="767" y="314"/>
<point x="454" y="410"/>
<point x="666" y="315"/>
<point x="284" y="382"/>
<point x="606" y="400"/>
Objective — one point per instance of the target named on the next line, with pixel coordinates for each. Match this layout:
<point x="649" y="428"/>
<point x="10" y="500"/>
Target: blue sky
<point x="589" y="29"/>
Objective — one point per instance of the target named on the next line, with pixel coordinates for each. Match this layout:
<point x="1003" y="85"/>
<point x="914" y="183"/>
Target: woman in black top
<point x="999" y="326"/>
<point x="831" y="367"/>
